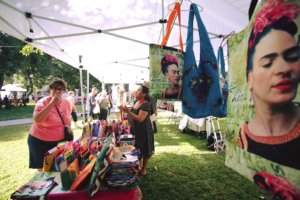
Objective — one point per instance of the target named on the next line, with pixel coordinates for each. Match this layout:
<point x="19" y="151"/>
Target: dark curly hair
<point x="56" y="82"/>
<point x="166" y="61"/>
<point x="283" y="24"/>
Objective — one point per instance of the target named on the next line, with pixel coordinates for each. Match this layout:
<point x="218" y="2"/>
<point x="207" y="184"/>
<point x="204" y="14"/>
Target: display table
<point x="78" y="169"/>
<point x="196" y="125"/>
<point x="34" y="189"/>
<point x="103" y="194"/>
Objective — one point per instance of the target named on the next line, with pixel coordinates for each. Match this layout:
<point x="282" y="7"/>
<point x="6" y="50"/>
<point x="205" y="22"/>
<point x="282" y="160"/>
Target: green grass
<point x="21" y="112"/>
<point x="14" y="158"/>
<point x="17" y="112"/>
<point x="185" y="168"/>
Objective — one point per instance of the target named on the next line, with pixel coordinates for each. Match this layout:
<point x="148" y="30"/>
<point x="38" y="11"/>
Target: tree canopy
<point x="34" y="68"/>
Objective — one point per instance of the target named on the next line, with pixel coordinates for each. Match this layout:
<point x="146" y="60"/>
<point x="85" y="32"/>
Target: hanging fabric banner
<point x="263" y="132"/>
<point x="166" y="67"/>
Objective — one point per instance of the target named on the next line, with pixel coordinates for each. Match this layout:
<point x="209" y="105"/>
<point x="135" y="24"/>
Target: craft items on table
<point x="91" y="163"/>
<point x="124" y="168"/>
<point x="38" y="186"/>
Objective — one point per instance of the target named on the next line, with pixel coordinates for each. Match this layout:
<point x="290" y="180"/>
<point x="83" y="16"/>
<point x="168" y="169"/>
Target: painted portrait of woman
<point x="273" y="74"/>
<point x="263" y="132"/>
<point x="170" y="69"/>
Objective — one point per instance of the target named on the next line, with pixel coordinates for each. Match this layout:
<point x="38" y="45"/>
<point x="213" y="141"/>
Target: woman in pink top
<point x="48" y="129"/>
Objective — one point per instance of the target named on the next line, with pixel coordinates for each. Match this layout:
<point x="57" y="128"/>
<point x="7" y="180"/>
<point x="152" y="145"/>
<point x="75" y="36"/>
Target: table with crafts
<point x="92" y="167"/>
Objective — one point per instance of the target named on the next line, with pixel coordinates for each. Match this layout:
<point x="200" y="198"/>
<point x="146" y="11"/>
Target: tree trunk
<point x="1" y="80"/>
<point x="29" y="87"/>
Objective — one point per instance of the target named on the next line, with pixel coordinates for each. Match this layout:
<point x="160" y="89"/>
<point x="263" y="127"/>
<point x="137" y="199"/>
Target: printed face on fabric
<point x="273" y="64"/>
<point x="173" y="74"/>
<point x="276" y="68"/>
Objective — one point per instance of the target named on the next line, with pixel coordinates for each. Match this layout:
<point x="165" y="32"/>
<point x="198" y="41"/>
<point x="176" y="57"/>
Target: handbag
<point x="69" y="135"/>
<point x="201" y="84"/>
<point x="162" y="58"/>
<point x="96" y="110"/>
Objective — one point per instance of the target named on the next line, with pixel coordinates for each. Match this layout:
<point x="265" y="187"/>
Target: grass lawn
<point x="21" y="112"/>
<point x="14" y="158"/>
<point x="17" y="112"/>
<point x="185" y="169"/>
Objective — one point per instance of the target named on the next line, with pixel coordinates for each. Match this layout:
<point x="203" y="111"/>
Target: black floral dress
<point x="144" y="138"/>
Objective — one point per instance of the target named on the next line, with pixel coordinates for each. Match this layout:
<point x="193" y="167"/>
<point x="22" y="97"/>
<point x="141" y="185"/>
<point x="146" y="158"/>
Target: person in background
<point x="103" y="103"/>
<point x="70" y="97"/>
<point x="6" y="102"/>
<point x="91" y="103"/>
<point x="110" y="102"/>
<point x="38" y="96"/>
<point x="273" y="75"/>
<point x="1" y="102"/>
<point x="139" y="116"/>
<point x="47" y="129"/>
<point x="153" y="102"/>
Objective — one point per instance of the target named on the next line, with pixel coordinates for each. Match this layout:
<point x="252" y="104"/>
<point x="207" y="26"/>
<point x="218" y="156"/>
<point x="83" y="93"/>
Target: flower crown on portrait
<point x="270" y="13"/>
<point x="169" y="59"/>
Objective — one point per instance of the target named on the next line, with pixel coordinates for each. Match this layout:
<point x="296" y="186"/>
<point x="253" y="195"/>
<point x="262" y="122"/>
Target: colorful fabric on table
<point x="123" y="173"/>
<point x="102" y="165"/>
<point x="95" y="128"/>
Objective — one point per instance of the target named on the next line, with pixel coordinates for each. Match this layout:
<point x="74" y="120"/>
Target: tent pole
<point x="195" y="29"/>
<point x="87" y="90"/>
<point x="11" y="26"/>
<point x="162" y="17"/>
<point x="81" y="92"/>
<point x="81" y="89"/>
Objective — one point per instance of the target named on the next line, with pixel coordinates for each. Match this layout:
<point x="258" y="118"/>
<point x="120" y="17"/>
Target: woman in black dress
<point x="141" y="126"/>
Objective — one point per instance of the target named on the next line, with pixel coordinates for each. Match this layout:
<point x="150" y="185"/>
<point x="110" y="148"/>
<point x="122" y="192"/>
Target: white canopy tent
<point x="10" y="88"/>
<point x="111" y="36"/>
<point x="13" y="88"/>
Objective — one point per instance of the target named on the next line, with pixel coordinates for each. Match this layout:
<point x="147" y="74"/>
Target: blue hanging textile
<point x="202" y="94"/>
<point x="224" y="85"/>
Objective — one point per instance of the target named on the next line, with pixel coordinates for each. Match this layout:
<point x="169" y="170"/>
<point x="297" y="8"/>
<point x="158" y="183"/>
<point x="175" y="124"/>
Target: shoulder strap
<point x="171" y="20"/>
<point x="60" y="115"/>
<point x="221" y="61"/>
<point x="206" y="49"/>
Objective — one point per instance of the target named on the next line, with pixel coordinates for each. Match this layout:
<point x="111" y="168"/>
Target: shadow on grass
<point x="169" y="135"/>
<point x="188" y="170"/>
<point x="14" y="133"/>
<point x="17" y="112"/>
<point x="197" y="176"/>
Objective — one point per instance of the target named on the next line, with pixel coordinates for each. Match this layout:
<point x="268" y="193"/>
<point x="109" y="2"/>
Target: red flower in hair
<point x="170" y="59"/>
<point x="272" y="12"/>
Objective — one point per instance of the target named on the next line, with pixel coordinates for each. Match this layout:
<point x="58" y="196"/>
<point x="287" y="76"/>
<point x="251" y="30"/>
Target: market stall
<point x="95" y="166"/>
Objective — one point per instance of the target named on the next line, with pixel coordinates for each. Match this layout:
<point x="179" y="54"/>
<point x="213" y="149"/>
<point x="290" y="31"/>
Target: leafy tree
<point x="26" y="60"/>
<point x="10" y="58"/>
